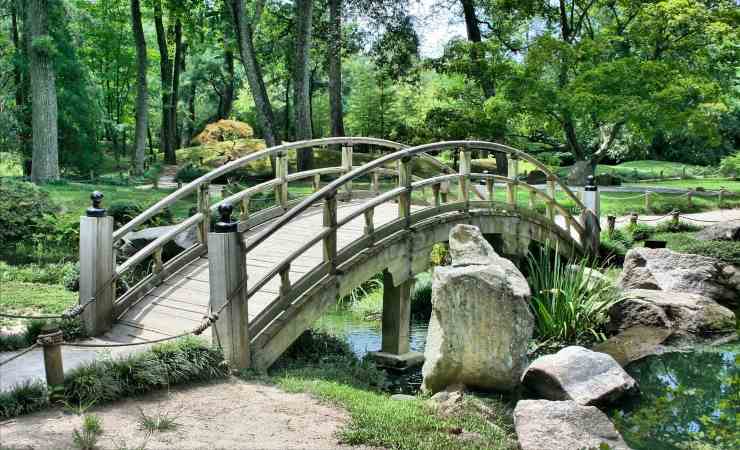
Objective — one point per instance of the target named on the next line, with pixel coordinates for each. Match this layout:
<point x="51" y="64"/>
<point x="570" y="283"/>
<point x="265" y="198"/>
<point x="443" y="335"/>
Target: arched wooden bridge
<point x="300" y="255"/>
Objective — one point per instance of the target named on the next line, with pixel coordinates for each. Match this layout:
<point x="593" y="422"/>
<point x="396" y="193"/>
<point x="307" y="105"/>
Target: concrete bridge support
<point x="394" y="350"/>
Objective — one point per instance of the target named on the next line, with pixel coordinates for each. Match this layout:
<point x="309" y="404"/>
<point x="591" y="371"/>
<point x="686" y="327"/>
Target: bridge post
<point x="404" y="180"/>
<point x="330" y="241"/>
<point x="394" y="350"/>
<point x="204" y="207"/>
<point x="347" y="167"/>
<point x="281" y="173"/>
<point x="228" y="285"/>
<point x="590" y="217"/>
<point x="511" y="187"/>
<point x="465" y="163"/>
<point x="97" y="267"/>
<point x="551" y="193"/>
<point x="435" y="194"/>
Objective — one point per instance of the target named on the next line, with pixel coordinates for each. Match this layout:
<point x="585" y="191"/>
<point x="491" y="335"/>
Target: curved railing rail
<point x="328" y="195"/>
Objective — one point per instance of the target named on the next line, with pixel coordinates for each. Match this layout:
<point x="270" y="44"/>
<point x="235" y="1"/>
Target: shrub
<point x="36" y="273"/>
<point x="312" y="347"/>
<point x="23" y="399"/>
<point x="25" y="210"/>
<point x="727" y="251"/>
<point x="124" y="211"/>
<point x="421" y="296"/>
<point x="640" y="231"/>
<point x="680" y="227"/>
<point x="184" y="360"/>
<point x="730" y="166"/>
<point x="189" y="173"/>
<point x="569" y="302"/>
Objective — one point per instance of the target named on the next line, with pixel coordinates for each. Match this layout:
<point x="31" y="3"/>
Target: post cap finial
<point x="225" y="224"/>
<point x="590" y="183"/>
<point x="95" y="210"/>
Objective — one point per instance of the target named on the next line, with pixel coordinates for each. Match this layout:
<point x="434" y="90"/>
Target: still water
<point x="688" y="400"/>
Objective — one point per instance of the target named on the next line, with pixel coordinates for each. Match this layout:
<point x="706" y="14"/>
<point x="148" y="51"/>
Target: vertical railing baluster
<point x="244" y="208"/>
<point x="285" y="280"/>
<point x="157" y="257"/>
<point x="316" y="182"/>
<point x="465" y="177"/>
<point x="330" y="241"/>
<point x="375" y="183"/>
<point x="435" y="194"/>
<point x="347" y="167"/>
<point x="514" y="175"/>
<point x="204" y="207"/>
<point x="551" y="193"/>
<point x="369" y="223"/>
<point x="281" y="174"/>
<point x="404" y="180"/>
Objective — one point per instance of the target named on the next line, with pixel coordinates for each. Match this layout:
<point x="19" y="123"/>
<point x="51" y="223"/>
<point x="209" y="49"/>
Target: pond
<point x="688" y="400"/>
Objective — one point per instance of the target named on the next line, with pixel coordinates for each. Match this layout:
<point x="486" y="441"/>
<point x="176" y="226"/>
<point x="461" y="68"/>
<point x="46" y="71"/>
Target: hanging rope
<point x="70" y="313"/>
<point x="21" y="353"/>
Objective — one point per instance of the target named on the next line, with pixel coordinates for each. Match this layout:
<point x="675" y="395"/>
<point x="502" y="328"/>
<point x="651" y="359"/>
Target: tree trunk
<point x="180" y="49"/>
<point x="243" y="31"/>
<point x="474" y="36"/>
<point x="227" y="102"/>
<point x="142" y="92"/>
<point x="286" y="116"/>
<point x="190" y="129"/>
<point x="301" y="80"/>
<point x="43" y="94"/>
<point x="165" y="74"/>
<point x="335" y="68"/>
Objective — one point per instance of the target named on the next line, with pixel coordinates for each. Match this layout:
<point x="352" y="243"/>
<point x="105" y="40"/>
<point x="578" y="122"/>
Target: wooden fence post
<point x="227" y="273"/>
<point x="611" y="222"/>
<point x="51" y="339"/>
<point x="675" y="218"/>
<point x="97" y="267"/>
<point x="647" y="201"/>
<point x="633" y="219"/>
<point x="721" y="197"/>
<point x="688" y="199"/>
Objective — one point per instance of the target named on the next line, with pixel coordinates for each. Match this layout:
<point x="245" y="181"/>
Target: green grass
<point x="33" y="298"/>
<point x="710" y="184"/>
<point x="728" y="251"/>
<point x="10" y="165"/>
<point x="336" y="376"/>
<point x="650" y="169"/>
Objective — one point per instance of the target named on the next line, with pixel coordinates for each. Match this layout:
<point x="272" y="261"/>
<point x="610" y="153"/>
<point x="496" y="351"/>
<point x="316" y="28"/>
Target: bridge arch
<point x="397" y="227"/>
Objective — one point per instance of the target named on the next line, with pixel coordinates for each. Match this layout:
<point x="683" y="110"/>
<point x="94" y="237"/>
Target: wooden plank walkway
<point x="181" y="301"/>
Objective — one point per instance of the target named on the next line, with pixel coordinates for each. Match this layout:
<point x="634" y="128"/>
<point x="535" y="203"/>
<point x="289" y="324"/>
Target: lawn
<point x="710" y="184"/>
<point x="651" y="169"/>
<point x="33" y="298"/>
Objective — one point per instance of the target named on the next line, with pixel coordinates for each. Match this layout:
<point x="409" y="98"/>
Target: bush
<point x="569" y="302"/>
<point x="23" y="399"/>
<point x="727" y="251"/>
<point x="730" y="166"/>
<point x="184" y="360"/>
<point x="36" y="273"/>
<point x="421" y="297"/>
<point x="640" y="231"/>
<point x="313" y="347"/>
<point x="25" y="210"/>
<point x="680" y="227"/>
<point x="123" y="211"/>
<point x="189" y="173"/>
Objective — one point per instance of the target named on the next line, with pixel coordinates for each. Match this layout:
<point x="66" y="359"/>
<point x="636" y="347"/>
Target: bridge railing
<point x="328" y="196"/>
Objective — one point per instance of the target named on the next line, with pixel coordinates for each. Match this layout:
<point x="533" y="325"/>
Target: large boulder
<point x="723" y="231"/>
<point x="137" y="240"/>
<point x="666" y="270"/>
<point x="683" y="312"/>
<point x="481" y="322"/>
<point x="563" y="425"/>
<point x="578" y="374"/>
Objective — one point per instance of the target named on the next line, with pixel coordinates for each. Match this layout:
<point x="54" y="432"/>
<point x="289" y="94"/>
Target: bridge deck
<point x="179" y="304"/>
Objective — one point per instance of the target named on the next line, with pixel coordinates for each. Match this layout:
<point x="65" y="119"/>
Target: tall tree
<point x="472" y="28"/>
<point x="302" y="80"/>
<point x="178" y="64"/>
<point x="43" y="93"/>
<point x="167" y="131"/>
<point x="335" y="68"/>
<point x="142" y="93"/>
<point x="243" y="27"/>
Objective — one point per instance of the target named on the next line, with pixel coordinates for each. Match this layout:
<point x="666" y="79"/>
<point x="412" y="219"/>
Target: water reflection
<point x="687" y="401"/>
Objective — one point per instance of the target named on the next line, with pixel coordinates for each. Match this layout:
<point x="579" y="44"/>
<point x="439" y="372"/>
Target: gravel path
<point x="232" y="414"/>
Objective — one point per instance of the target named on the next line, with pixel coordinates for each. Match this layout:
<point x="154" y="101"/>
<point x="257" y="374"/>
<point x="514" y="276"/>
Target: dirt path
<point x="227" y="415"/>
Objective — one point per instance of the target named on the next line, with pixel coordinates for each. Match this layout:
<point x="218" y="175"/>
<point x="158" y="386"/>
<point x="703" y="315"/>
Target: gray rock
<point x="634" y="343"/>
<point x="481" y="322"/>
<point x="666" y="270"/>
<point x="578" y="374"/>
<point x="723" y="231"/>
<point x="565" y="425"/>
<point x="136" y="240"/>
<point x="682" y="312"/>
<point x="536" y="177"/>
<point x="402" y="397"/>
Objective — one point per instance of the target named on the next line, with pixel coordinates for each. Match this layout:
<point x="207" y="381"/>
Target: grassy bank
<point x="335" y="375"/>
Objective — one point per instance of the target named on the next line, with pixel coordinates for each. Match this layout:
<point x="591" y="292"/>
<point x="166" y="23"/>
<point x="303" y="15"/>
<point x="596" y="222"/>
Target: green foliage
<point x="156" y="422"/>
<point x="569" y="300"/>
<point x="673" y="227"/>
<point x="25" y="211"/>
<point x="727" y="251"/>
<point x="37" y="273"/>
<point x="124" y="211"/>
<point x="421" y="296"/>
<point x="640" y="231"/>
<point x="87" y="439"/>
<point x="189" y="173"/>
<point x="730" y="166"/>
<point x="23" y="399"/>
<point x="185" y="360"/>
